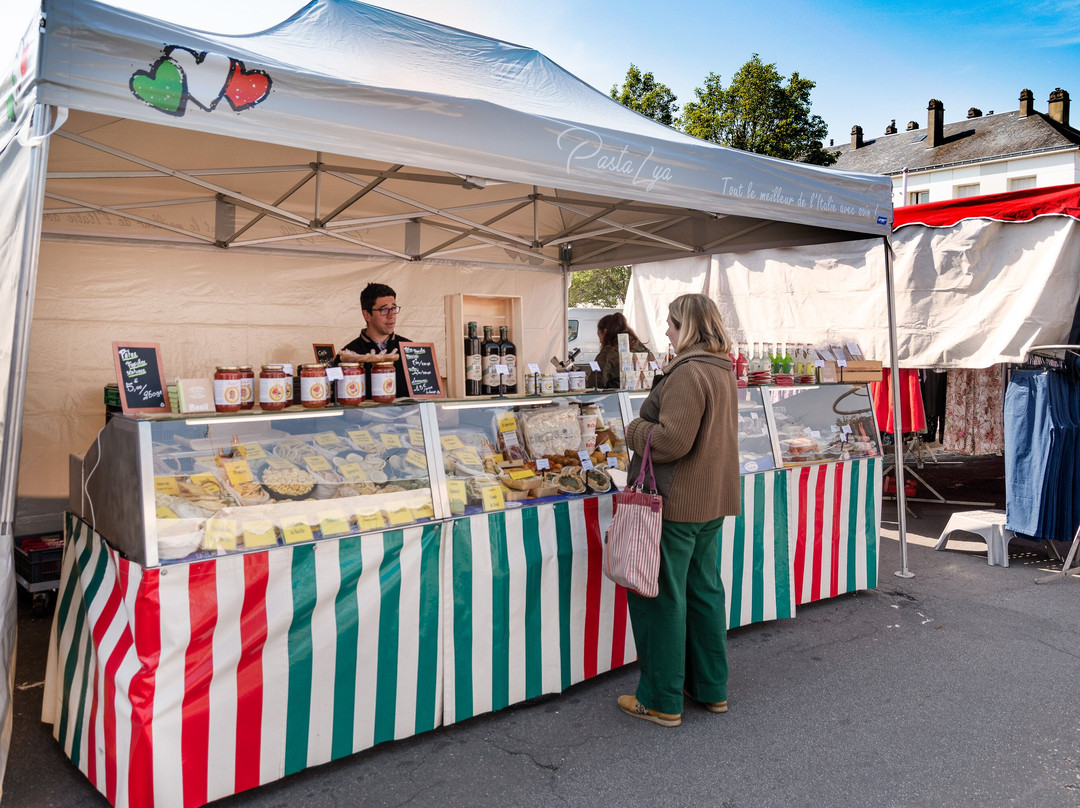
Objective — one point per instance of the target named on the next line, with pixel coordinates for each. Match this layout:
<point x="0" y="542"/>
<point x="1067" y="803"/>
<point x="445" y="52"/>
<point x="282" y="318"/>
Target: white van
<point x="581" y="333"/>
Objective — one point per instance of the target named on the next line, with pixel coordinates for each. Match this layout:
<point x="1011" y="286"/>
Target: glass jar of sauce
<point x="383" y="382"/>
<point x="247" y="387"/>
<point x="227" y="389"/>
<point x="272" y="388"/>
<point x="352" y="386"/>
<point x="314" y="389"/>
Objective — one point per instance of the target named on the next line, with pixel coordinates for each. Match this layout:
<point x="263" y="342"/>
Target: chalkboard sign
<point x="141" y="379"/>
<point x="324" y="354"/>
<point x="421" y="370"/>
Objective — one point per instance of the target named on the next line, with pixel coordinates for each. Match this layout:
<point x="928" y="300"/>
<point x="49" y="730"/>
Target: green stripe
<point x="82" y="703"/>
<point x="347" y="620"/>
<point x="871" y="525"/>
<point x="389" y="636"/>
<point x="500" y="611"/>
<point x="463" y="637"/>
<point x="738" y="556"/>
<point x="534" y="566"/>
<point x="427" y="674"/>
<point x="298" y="706"/>
<point x="782" y="564"/>
<point x="757" y="592"/>
<point x="76" y="605"/>
<point x="564" y="537"/>
<point x="853" y="525"/>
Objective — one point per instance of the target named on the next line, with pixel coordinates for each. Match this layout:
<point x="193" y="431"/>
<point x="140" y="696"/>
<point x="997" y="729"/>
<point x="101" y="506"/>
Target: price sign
<point x="502" y="370"/>
<point x="843" y="437"/>
<point x="275" y="462"/>
<point x="451" y="442"/>
<point x="354" y="472"/>
<point x="542" y="464"/>
<point x="208" y="482"/>
<point x="140" y="377"/>
<point x="654" y="366"/>
<point x="253" y="451"/>
<point x="333" y="523"/>
<point x="819" y="363"/>
<point x="521" y="474"/>
<point x="416" y="458"/>
<point x="587" y="465"/>
<point x="220" y="534"/>
<point x="361" y="437"/>
<point x="370" y="521"/>
<point x="594" y="366"/>
<point x="604" y="448"/>
<point x="507" y="422"/>
<point x="846" y="429"/>
<point x="455" y="489"/>
<point x="166" y="485"/>
<point x="165" y="513"/>
<point x="841" y="363"/>
<point x="327" y="439"/>
<point x="334" y="374"/>
<point x="416" y="436"/>
<point x="470" y="457"/>
<point x="402" y="516"/>
<point x="583" y="456"/>
<point x="259" y="533"/>
<point x="493" y="498"/>
<point x="423" y="512"/>
<point x="296" y="531"/>
<point x="533" y="368"/>
<point x="421" y="369"/>
<point x="206" y="461"/>
<point x="288" y="368"/>
<point x="317" y="463"/>
<point x="239" y="472"/>
<point x="612" y="462"/>
<point x="390" y="440"/>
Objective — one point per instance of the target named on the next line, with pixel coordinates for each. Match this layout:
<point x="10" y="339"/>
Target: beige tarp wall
<point x="209" y="307"/>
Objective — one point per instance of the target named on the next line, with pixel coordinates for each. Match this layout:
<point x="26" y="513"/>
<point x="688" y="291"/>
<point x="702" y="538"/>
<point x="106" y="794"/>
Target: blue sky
<point x="872" y="61"/>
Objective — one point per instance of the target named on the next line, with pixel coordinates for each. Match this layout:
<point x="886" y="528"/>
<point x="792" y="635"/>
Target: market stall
<point x="217" y="180"/>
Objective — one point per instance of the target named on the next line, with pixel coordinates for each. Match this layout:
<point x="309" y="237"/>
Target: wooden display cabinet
<point x="493" y="310"/>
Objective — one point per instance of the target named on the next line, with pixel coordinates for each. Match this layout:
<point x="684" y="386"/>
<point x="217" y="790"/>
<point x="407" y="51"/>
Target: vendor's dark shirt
<point x="364" y="345"/>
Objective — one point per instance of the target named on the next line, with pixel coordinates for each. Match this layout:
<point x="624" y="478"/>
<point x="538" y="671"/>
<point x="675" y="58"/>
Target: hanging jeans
<point x="1028" y="428"/>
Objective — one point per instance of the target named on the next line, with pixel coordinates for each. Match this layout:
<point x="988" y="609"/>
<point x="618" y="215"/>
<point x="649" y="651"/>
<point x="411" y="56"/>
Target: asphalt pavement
<point x="955" y="687"/>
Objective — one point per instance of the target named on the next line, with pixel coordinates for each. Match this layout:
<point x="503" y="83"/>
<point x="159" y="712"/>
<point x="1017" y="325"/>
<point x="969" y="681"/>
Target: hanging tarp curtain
<point x="1013" y="206"/>
<point x="970" y="295"/>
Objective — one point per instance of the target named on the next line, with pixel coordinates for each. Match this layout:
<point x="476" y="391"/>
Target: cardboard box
<point x="861" y="370"/>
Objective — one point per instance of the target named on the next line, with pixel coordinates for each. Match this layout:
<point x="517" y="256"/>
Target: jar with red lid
<point x="272" y="388"/>
<point x="227" y="389"/>
<point x="247" y="387"/>
<point x="383" y="382"/>
<point x="314" y="389"/>
<point x="352" y="386"/>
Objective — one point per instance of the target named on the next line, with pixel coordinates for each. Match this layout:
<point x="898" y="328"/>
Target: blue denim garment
<point x="1027" y="449"/>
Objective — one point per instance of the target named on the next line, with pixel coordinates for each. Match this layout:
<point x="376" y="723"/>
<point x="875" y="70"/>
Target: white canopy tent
<point x="239" y="189"/>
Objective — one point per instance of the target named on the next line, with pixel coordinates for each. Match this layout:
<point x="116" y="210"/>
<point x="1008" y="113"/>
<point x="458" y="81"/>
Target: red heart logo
<point x="246" y="88"/>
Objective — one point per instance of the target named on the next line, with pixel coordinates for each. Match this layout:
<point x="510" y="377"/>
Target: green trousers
<point x="681" y="635"/>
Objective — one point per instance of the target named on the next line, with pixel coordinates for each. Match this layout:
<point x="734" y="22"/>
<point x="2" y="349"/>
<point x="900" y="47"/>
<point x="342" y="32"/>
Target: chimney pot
<point x="912" y="125"/>
<point x="891" y="128"/>
<point x="1027" y="103"/>
<point x="1059" y="106"/>
<point x="856" y="137"/>
<point x="935" y="123"/>
<point x="974" y="112"/>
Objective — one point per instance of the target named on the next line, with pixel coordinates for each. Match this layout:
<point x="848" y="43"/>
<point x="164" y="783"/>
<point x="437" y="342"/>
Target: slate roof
<point x="972" y="140"/>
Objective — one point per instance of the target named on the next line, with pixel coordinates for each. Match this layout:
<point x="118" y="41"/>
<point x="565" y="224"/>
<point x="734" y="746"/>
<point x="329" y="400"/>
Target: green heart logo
<point x="162" y="86"/>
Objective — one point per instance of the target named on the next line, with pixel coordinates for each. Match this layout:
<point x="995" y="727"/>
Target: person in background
<point x="608" y="329"/>
<point x="378" y="304"/>
<point x="692" y="416"/>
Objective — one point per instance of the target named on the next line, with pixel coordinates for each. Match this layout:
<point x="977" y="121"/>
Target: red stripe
<point x="838" y="493"/>
<point x="112" y="665"/>
<point x="198" y="673"/>
<point x="618" y="632"/>
<point x="800" y="536"/>
<point x="819" y="518"/>
<point x="100" y="628"/>
<point x="593" y="584"/>
<point x="249" y="671"/>
<point x="148" y="647"/>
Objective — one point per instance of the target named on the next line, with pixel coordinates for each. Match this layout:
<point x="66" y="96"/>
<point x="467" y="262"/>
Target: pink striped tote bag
<point x="632" y="542"/>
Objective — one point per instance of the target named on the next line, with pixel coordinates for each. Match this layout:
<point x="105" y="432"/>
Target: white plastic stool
<point x="988" y="524"/>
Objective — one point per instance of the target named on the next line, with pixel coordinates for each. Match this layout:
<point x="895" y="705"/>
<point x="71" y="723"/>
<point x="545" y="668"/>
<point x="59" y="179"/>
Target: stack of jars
<point x="234" y="386"/>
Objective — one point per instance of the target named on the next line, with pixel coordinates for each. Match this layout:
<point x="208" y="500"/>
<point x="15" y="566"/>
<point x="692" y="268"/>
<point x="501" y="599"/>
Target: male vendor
<point x="378" y="302"/>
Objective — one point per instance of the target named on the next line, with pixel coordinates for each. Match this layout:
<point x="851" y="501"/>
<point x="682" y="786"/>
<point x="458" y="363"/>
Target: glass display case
<point x="498" y="455"/>
<point x="823" y="423"/>
<point x="166" y="488"/>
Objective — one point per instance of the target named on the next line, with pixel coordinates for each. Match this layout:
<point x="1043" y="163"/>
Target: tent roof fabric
<point x="1014" y="206"/>
<point x="520" y="162"/>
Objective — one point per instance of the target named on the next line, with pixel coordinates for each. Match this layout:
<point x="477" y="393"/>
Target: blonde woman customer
<point x="681" y="635"/>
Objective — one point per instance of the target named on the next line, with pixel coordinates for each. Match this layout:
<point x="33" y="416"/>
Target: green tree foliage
<point x="641" y="92"/>
<point x="759" y="112"/>
<point x="599" y="287"/>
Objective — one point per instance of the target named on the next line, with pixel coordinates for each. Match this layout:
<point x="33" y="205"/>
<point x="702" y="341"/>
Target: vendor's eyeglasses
<point x="386" y="311"/>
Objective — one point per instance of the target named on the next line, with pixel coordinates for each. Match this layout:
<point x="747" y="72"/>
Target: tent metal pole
<point x="898" y="420"/>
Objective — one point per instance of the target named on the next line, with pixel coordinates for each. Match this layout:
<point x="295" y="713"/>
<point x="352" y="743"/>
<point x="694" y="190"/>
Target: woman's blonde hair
<point x="699" y="323"/>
